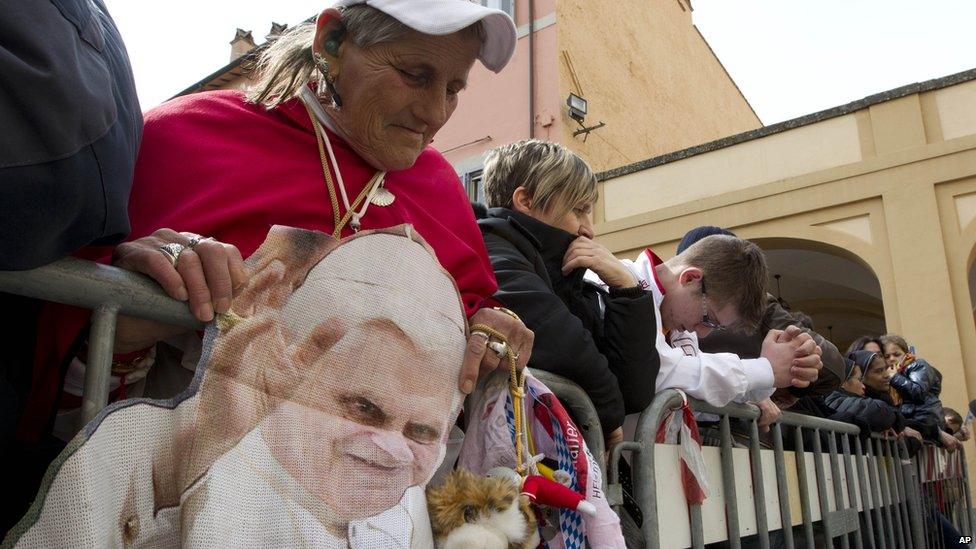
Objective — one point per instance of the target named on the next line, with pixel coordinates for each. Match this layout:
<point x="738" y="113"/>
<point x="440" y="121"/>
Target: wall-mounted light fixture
<point x="577" y="107"/>
<point x="577" y="111"/>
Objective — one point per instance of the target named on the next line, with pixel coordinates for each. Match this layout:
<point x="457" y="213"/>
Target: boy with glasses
<point x="734" y="298"/>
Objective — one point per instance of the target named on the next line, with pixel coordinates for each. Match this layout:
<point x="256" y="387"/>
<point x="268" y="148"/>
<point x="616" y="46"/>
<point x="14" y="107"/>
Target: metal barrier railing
<point x="108" y="291"/>
<point x="944" y="491"/>
<point x="834" y="488"/>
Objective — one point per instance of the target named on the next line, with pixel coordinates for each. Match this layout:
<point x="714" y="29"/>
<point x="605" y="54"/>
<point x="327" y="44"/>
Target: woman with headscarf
<point x="334" y="136"/>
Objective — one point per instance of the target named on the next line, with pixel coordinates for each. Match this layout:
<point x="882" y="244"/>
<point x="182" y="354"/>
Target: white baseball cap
<point x="440" y="17"/>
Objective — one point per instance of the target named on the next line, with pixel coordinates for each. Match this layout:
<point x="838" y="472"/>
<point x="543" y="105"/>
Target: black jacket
<point x="71" y="130"/>
<point x="920" y="386"/>
<point x="869" y="414"/>
<point x="750" y="346"/>
<point x="610" y="355"/>
<point x="920" y="418"/>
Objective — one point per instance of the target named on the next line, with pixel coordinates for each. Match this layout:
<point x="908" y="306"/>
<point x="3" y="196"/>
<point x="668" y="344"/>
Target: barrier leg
<point x="801" y="470"/>
<point x="728" y="485"/>
<point x="914" y="500"/>
<point x="784" y="497"/>
<point x="101" y="343"/>
<point x="885" y="525"/>
<point x="758" y="490"/>
<point x="865" y="496"/>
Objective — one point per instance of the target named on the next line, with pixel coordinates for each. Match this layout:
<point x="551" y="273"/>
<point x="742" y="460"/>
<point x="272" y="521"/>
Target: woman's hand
<point x="589" y="254"/>
<point x="207" y="274"/>
<point x="479" y="360"/>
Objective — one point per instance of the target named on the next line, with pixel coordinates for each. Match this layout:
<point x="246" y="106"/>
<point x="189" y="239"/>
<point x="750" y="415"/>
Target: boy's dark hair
<point x="736" y="273"/>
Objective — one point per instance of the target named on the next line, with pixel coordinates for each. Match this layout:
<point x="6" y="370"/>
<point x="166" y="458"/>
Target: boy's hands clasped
<point x="794" y="357"/>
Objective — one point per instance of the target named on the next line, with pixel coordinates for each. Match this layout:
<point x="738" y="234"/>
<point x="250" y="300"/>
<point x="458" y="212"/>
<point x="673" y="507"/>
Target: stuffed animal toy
<point x="469" y="511"/>
<point x="495" y="511"/>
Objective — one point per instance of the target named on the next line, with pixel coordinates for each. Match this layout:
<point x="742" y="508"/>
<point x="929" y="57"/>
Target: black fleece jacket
<point x="610" y="354"/>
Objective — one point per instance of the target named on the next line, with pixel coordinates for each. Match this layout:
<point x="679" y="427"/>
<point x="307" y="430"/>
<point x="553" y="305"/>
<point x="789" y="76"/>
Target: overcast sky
<point x="789" y="57"/>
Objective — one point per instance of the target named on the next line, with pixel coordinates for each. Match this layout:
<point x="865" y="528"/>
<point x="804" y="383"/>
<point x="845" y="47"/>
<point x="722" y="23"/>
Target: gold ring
<point x="509" y="312"/>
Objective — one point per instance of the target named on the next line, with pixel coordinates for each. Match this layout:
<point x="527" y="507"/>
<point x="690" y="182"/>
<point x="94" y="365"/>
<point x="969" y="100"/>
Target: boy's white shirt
<point x="716" y="378"/>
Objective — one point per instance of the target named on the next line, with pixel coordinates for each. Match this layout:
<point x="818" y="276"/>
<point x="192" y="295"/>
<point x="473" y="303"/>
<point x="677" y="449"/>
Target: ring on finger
<point x="196" y="239"/>
<point x="509" y="312"/>
<point x="482" y="334"/>
<point x="500" y="348"/>
<point x="172" y="252"/>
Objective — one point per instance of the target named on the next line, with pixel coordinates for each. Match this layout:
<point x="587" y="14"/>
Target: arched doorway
<point x="836" y="288"/>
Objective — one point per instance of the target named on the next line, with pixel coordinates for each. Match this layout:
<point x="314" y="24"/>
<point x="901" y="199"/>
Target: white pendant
<point x="383" y="197"/>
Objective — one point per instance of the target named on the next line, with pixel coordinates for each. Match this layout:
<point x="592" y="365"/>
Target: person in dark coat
<point x="917" y="385"/>
<point x="72" y="126"/>
<point x="775" y="318"/>
<point x="539" y="236"/>
<point x="849" y="399"/>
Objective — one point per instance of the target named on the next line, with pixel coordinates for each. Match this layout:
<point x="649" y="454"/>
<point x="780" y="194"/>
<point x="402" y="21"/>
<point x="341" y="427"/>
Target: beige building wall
<point x="887" y="184"/>
<point x="649" y="74"/>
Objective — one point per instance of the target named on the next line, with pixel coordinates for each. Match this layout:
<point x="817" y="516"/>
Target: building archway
<point x="836" y="288"/>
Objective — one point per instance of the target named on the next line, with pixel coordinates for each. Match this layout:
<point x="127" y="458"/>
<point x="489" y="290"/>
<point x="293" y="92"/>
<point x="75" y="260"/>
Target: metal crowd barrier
<point x="944" y="493"/>
<point x="833" y="488"/>
<point x="108" y="291"/>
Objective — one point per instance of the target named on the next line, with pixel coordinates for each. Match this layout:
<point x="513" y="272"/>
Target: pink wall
<point x="498" y="104"/>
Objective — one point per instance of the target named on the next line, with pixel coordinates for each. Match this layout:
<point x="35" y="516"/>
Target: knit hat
<point x="848" y="368"/>
<point x="863" y="359"/>
<point x="699" y="233"/>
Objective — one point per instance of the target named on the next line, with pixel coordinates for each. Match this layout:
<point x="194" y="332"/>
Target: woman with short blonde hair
<point x="539" y="235"/>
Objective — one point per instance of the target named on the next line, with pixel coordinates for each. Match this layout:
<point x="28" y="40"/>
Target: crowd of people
<point x="335" y="136"/>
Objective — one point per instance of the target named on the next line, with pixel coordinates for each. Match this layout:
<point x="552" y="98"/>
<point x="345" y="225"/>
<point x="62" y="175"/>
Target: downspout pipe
<point x="531" y="69"/>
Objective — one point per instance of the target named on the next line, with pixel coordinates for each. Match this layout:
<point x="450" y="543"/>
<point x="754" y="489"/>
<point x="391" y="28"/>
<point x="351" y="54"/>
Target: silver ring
<point x="196" y="239"/>
<point x="482" y="334"/>
<point x="500" y="348"/>
<point x="172" y="252"/>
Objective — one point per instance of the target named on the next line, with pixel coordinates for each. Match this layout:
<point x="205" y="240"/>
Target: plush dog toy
<point x="469" y="511"/>
<point x="495" y="511"/>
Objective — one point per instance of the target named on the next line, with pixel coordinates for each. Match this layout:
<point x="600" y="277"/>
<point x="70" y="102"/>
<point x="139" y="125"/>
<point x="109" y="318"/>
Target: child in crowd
<point x="918" y="384"/>
<point x="719" y="283"/>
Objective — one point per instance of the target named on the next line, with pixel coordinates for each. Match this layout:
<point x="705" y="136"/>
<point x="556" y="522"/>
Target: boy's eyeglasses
<point x="706" y="320"/>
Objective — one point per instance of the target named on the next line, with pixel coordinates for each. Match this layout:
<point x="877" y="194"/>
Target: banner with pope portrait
<point x="319" y="411"/>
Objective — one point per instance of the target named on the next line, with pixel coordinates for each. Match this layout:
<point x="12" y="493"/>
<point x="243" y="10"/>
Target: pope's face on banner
<point x="368" y="421"/>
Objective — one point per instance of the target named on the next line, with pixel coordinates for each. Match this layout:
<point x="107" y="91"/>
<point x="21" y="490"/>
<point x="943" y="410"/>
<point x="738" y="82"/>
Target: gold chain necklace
<point x="370" y="187"/>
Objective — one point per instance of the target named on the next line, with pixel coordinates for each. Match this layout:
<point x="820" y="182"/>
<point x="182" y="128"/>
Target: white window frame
<point x="507" y="6"/>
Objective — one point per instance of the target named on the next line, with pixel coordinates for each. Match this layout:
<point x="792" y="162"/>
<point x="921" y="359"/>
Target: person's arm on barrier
<point x="562" y="345"/>
<point x="629" y="311"/>
<point x="912" y="433"/>
<point x="949" y="442"/>
<point x="769" y="412"/>
<point x="789" y="359"/>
